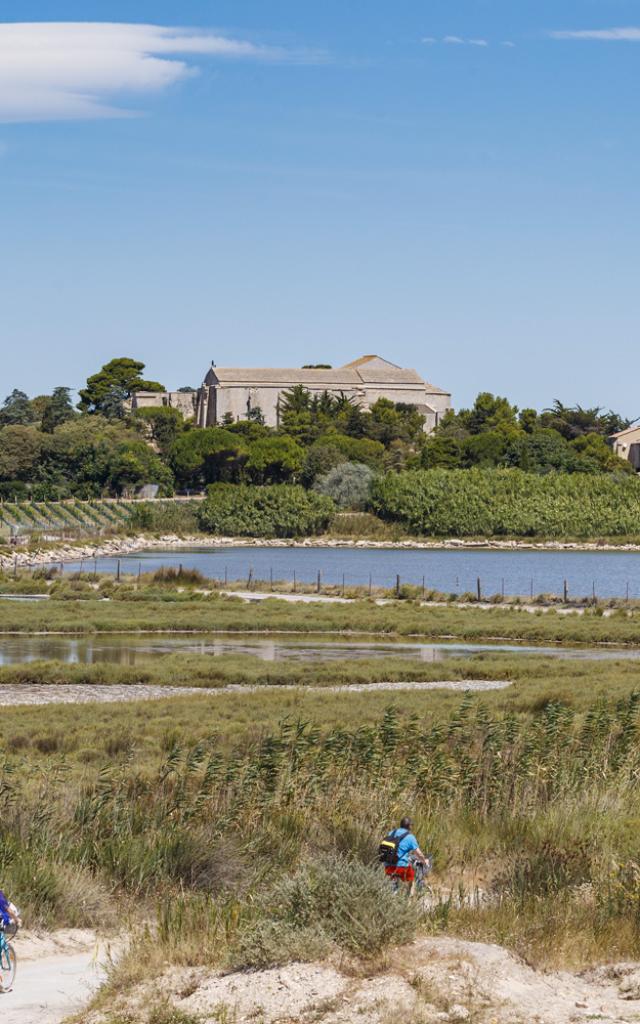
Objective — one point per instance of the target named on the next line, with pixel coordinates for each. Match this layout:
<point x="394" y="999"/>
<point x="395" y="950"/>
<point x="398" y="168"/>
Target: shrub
<point x="167" y="576"/>
<point x="508" y="502"/>
<point x="349" y="485"/>
<point x="276" y="511"/>
<point x="328" y="902"/>
<point x="164" y="517"/>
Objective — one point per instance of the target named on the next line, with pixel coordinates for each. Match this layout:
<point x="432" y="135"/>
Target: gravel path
<point x="48" y="990"/>
<point x="78" y="693"/>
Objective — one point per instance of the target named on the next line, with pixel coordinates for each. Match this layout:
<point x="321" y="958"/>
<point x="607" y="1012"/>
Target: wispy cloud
<point x="625" y="35"/>
<point x="507" y="42"/>
<point x="455" y="41"/>
<point x="69" y="70"/>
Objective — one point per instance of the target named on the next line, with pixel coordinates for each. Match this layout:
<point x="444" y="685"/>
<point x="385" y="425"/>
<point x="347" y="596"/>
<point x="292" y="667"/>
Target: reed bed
<point x="266" y="852"/>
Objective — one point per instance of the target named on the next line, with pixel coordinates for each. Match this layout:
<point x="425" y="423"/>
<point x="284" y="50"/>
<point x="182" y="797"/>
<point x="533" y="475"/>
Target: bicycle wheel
<point x="8" y="964"/>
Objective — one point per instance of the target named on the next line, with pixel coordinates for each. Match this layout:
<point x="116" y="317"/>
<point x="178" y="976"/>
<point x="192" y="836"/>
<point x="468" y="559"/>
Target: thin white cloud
<point x="459" y="41"/>
<point x="507" y="42"/>
<point x="68" y="70"/>
<point x="626" y="35"/>
<point x="428" y="40"/>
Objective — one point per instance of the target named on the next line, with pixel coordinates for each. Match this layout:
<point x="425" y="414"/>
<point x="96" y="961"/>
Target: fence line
<point x="320" y="581"/>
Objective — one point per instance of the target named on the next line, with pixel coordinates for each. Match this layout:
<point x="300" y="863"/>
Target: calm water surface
<point x="524" y="573"/>
<point x="125" y="649"/>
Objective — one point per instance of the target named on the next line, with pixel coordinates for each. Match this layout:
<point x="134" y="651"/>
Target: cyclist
<point x="8" y="912"/>
<point x="407" y="853"/>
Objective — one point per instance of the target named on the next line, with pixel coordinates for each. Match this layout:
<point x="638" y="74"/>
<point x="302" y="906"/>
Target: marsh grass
<point x="78" y="607"/>
<point x="245" y="826"/>
<point x="264" y="850"/>
<point x="91" y="734"/>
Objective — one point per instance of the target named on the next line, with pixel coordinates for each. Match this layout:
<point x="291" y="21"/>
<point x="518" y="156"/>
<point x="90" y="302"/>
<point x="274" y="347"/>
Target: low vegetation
<point x="493" y="503"/>
<point x="265" y="851"/>
<point x="276" y="511"/>
<point x="76" y="606"/>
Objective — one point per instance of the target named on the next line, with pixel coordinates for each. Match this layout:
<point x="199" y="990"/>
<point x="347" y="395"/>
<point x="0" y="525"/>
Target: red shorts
<point x="404" y="874"/>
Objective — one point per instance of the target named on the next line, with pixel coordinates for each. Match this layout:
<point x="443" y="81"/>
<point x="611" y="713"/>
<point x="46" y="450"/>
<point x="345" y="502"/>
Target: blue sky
<point x="450" y="183"/>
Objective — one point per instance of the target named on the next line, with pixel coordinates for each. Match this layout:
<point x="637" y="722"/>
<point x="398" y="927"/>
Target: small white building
<point x="626" y="444"/>
<point x="234" y="392"/>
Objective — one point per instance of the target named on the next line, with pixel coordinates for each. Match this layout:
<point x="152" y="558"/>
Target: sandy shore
<point x="131" y="545"/>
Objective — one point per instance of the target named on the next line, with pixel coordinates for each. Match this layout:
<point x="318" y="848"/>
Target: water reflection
<point x="130" y="650"/>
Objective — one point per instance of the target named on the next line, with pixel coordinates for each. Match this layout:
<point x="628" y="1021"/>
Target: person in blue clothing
<point x="409" y="853"/>
<point x="8" y="913"/>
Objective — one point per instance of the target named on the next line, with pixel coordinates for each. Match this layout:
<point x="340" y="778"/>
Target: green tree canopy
<point x="488" y="412"/>
<point x="207" y="456"/>
<point x="20" y="450"/>
<point x="118" y="379"/>
<point x="274" y="460"/>
<point x="16" y="410"/>
<point x="58" y="409"/>
<point x="163" y="424"/>
<point x="574" y="421"/>
<point x="135" y="464"/>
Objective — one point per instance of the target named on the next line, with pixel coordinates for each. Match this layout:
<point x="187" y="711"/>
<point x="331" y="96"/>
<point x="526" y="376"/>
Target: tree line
<point x="51" y="448"/>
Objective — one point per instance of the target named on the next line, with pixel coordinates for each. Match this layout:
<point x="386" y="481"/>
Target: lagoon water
<point x="519" y="572"/>
<point x="125" y="649"/>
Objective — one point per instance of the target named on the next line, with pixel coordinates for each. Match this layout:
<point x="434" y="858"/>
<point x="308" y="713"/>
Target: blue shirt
<point x="407" y="845"/>
<point x="4" y="907"/>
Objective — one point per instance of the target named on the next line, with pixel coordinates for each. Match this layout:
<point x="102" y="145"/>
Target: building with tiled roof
<point x="233" y="393"/>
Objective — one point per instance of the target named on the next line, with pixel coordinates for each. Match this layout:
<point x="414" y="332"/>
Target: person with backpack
<point x="399" y="851"/>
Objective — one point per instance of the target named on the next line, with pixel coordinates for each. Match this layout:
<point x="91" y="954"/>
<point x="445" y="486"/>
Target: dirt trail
<point x="57" y="973"/>
<point x="48" y="990"/>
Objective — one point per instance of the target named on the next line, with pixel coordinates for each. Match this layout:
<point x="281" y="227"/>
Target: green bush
<point x="509" y="502"/>
<point x="276" y="511"/>
<point x="349" y="485"/>
<point x="164" y="517"/>
<point x="328" y="902"/>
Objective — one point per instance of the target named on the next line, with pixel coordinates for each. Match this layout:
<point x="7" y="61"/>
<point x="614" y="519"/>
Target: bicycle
<point x="420" y="873"/>
<point x="8" y="959"/>
<point x="417" y="884"/>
